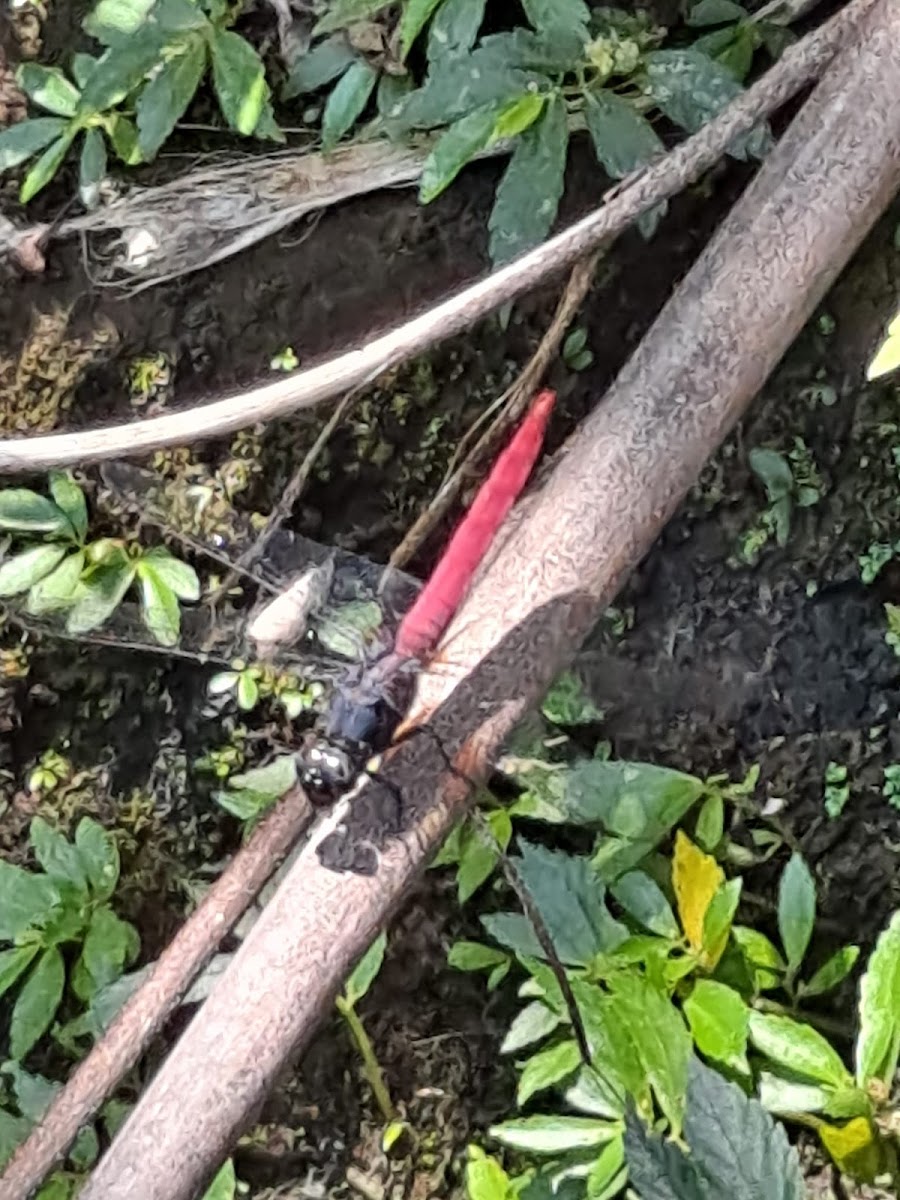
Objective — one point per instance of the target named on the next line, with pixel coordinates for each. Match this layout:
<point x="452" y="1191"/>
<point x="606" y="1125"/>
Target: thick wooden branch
<point x="598" y="512"/>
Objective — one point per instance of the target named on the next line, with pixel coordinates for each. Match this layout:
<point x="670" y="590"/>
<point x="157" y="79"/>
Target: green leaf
<point x="177" y="575"/>
<point x="37" y="1002"/>
<point x="691" y="89"/>
<point x="99" y="595"/>
<point x="472" y="956"/>
<point x="416" y="14"/>
<point x="773" y="471"/>
<point x="711" y="822"/>
<point x="636" y="802"/>
<point x="454" y="28"/>
<point x="573" y="15"/>
<point x="320" y="65"/>
<point x="108" y="947"/>
<point x="245" y="804"/>
<point x="57" y="856"/>
<point x="643" y="899"/>
<point x="119" y="71"/>
<point x="46" y="167"/>
<point x="569" y="895"/>
<point x="785" y="1097"/>
<point x="736" y="1150"/>
<point x="567" y="703"/>
<point x="23" y="571"/>
<point x="81" y="68"/>
<point x="20" y="142"/>
<point x="48" y="88"/>
<point x="69" y="499"/>
<point x="660" y="1038"/>
<point x="159" y="606"/>
<point x="546" y="1068"/>
<point x="162" y="103"/>
<point x="342" y="13"/>
<point x="224" y="1186"/>
<point x="24" y="511"/>
<point x="461" y="142"/>
<point x="25" y="900"/>
<point x="719" y="1021"/>
<point x="608" y="1173"/>
<point x="111" y="20"/>
<point x="715" y="12"/>
<point x="798" y="1048"/>
<point x="595" y="1095"/>
<point x="33" y="1092"/>
<point x="123" y="135"/>
<point x="532" y="1024"/>
<point x="100" y="856"/>
<point x="796" y="910"/>
<point x="85" y="1150"/>
<point x="762" y="958"/>
<point x="831" y="973"/>
<point x="490" y="74"/>
<point x="14" y="962"/>
<point x="346" y="102"/>
<point x="486" y="1179"/>
<point x="92" y="167"/>
<point x="624" y="140"/>
<point x="365" y="971"/>
<point x="239" y="76"/>
<point x="529" y="192"/>
<point x="55" y="591"/>
<point x="247" y="692"/>
<point x="554" y="1135"/>
<point x="477" y="861"/>
<point x="718" y="918"/>
<point x="273" y="780"/>
<point x="878" y="1042"/>
<point x="13" y="1131"/>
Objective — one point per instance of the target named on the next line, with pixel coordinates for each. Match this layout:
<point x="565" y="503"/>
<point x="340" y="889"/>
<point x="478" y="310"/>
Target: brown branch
<point x="599" y="511"/>
<point x="143" y="1014"/>
<point x="685" y="164"/>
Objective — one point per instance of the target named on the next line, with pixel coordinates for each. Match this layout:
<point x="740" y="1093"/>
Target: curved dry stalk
<point x="599" y="511"/>
<point x="682" y="166"/>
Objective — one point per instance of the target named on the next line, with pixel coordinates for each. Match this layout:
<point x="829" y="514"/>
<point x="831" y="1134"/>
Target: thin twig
<point x="289" y="498"/>
<point x="686" y="163"/>
<point x="143" y="1014"/>
<point x="512" y="406"/>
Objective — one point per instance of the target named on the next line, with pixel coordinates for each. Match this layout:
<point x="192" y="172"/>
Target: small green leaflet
<point x="529" y="193"/>
<point x="37" y="1002"/>
<point x="21" y="142"/>
<point x="346" y="102"/>
<point x="458" y="146"/>
<point x="48" y="88"/>
<point x="320" y="65"/>
<point x="796" y="910"/>
<point x="240" y="80"/>
<point x="163" y="101"/>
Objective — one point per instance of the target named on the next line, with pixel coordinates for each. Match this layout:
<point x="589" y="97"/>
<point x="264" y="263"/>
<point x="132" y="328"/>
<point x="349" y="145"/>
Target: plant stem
<point x="371" y="1067"/>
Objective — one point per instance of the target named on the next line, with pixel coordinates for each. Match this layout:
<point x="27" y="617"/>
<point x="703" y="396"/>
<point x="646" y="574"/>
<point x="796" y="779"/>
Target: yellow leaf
<point x="696" y="878"/>
<point x="856" y="1148"/>
<point x="887" y="357"/>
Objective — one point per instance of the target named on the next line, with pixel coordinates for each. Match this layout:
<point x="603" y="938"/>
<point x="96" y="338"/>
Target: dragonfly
<point x="332" y="602"/>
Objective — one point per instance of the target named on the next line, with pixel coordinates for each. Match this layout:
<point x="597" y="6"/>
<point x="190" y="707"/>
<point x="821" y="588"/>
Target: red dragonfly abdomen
<point x="423" y="625"/>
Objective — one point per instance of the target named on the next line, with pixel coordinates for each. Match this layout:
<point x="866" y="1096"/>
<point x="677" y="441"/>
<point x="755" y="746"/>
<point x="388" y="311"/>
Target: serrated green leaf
<point x="69" y="499"/>
<point x="48" y="88"/>
<point x="162" y="103"/>
<point x="415" y="17"/>
<point x="159" y="605"/>
<point x="24" y="570"/>
<point x="13" y="964"/>
<point x="691" y="89"/>
<point x="546" y="1068"/>
<point x="454" y="28"/>
<point x="342" y="13"/>
<point x="119" y="71"/>
<point x="346" y="102"/>
<point x="365" y="971"/>
<point x="878" y="1042"/>
<point x="453" y="149"/>
<point x="715" y="12"/>
<point x="644" y="900"/>
<point x="55" y="591"/>
<point x="532" y="1024"/>
<point x="719" y="1021"/>
<point x="798" y="1048"/>
<point x="99" y="595"/>
<point x="37" y="1002"/>
<point x="796" y="909"/>
<point x="57" y="856"/>
<point x="239" y="76"/>
<point x="25" y="511"/>
<point x="100" y="856"/>
<point x="554" y="1135"/>
<point x="831" y="973"/>
<point x="529" y="192"/>
<point x="736" y="1150"/>
<point x="20" y="142"/>
<point x="320" y="65"/>
<point x="25" y="900"/>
